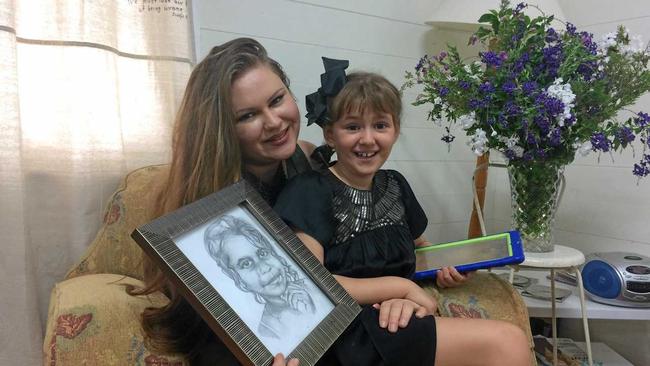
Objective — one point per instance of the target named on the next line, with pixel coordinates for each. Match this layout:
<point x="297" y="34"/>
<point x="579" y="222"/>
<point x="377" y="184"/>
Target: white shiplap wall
<point x="603" y="208"/>
<point x="383" y="36"/>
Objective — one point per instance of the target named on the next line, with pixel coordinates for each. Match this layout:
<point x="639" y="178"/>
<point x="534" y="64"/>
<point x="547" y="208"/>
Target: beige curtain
<point x="88" y="91"/>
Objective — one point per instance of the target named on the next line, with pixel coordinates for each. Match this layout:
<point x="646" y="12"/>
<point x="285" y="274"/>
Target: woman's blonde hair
<point x="205" y="158"/>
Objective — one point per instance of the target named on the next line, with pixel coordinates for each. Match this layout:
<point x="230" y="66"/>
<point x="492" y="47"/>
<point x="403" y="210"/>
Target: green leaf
<point x="487" y="18"/>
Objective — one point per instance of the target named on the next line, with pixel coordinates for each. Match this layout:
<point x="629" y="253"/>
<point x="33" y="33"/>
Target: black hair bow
<point x="332" y="82"/>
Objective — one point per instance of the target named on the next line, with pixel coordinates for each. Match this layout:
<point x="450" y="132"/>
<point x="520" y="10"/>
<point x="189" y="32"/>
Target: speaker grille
<point x="601" y="279"/>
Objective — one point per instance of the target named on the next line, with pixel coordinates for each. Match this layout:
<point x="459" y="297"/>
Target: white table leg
<point x="553" y="317"/>
<point x="585" y="322"/>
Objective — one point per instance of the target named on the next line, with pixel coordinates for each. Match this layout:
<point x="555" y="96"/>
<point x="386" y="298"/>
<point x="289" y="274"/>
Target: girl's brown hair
<point x="365" y="90"/>
<point x="205" y="158"/>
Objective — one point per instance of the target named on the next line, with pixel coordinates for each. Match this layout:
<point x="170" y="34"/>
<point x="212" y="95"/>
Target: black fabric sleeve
<point x="305" y="204"/>
<point x="415" y="216"/>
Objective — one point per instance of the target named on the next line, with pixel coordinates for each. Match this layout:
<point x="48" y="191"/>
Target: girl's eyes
<point x="244" y="263"/>
<point x="262" y="253"/>
<point x="381" y="125"/>
<point x="352" y="127"/>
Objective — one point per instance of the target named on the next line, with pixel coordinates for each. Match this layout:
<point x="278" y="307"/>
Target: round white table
<point x="564" y="258"/>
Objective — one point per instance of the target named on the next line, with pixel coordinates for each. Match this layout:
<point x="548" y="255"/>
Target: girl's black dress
<point x="364" y="234"/>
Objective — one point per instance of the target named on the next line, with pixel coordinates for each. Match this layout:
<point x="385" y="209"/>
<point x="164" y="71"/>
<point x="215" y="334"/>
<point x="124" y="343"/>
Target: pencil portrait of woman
<point x="246" y="256"/>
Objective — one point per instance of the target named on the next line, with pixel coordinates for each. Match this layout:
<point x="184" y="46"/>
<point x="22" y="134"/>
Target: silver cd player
<point x="618" y="278"/>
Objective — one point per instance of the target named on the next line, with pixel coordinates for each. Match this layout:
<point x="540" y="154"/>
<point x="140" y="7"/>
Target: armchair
<point x="92" y="320"/>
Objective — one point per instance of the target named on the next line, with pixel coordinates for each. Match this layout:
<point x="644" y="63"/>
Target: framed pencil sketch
<point x="249" y="277"/>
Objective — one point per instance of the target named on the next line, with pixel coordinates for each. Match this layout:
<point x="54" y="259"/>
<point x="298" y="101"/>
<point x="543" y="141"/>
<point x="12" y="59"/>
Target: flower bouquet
<point x="539" y="96"/>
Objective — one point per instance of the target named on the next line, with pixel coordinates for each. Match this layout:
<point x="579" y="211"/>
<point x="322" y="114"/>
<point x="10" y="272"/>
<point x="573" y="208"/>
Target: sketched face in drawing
<point x="247" y="257"/>
<point x="259" y="270"/>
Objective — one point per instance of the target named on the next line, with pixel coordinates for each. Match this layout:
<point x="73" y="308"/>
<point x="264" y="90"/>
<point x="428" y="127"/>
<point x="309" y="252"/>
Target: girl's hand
<point x="420" y="297"/>
<point x="450" y="277"/>
<point x="396" y="313"/>
<point x="278" y="360"/>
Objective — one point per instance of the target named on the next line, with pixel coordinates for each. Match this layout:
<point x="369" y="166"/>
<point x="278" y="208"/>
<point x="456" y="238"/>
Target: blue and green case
<point x="468" y="255"/>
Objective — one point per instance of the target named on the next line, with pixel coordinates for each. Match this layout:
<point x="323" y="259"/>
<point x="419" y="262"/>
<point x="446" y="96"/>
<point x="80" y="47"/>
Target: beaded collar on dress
<point x="357" y="211"/>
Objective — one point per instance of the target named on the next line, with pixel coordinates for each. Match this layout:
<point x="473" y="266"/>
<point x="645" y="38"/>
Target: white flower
<point x="564" y="93"/>
<point x="607" y="41"/>
<point x="477" y="142"/>
<point x="467" y="120"/>
<point x="585" y="148"/>
<point x="510" y="142"/>
<point x="518" y="150"/>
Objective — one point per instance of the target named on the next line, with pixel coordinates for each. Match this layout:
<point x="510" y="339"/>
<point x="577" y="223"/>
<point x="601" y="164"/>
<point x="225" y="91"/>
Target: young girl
<point x="363" y="222"/>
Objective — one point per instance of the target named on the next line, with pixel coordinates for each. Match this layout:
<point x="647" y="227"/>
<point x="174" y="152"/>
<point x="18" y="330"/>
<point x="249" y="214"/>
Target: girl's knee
<point x="514" y="342"/>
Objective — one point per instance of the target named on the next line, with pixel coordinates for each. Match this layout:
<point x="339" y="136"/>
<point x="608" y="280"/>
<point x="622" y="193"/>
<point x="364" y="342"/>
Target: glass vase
<point x="535" y="191"/>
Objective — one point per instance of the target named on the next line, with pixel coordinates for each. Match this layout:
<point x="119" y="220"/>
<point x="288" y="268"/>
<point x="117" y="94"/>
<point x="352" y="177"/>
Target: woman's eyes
<point x="248" y="115"/>
<point x="245" y="116"/>
<point x="277" y="100"/>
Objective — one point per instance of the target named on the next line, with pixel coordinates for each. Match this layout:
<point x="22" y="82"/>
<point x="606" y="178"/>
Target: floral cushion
<point x="484" y="296"/>
<point x="113" y="250"/>
<point x="93" y="321"/>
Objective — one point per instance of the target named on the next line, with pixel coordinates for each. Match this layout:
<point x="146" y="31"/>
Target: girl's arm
<point x="374" y="290"/>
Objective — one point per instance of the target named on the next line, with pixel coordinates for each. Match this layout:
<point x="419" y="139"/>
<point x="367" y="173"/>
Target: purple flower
<point x="552" y="36"/>
<point x="549" y="105"/>
<point x="487" y="88"/>
<point x="420" y="65"/>
<point x="642" y="119"/>
<point x="520" y="64"/>
<point x="642" y="169"/>
<point x="464" y="84"/>
<point x="519" y="8"/>
<point x="444" y="91"/>
<point x="511" y="108"/>
<point x="588" y="42"/>
<point x="600" y="142"/>
<point x="556" y="137"/>
<point x="491" y="59"/>
<point x="551" y="59"/>
<point x="570" y="121"/>
<point x="543" y="124"/>
<point x="473" y="104"/>
<point x="531" y="140"/>
<point x="529" y="87"/>
<point x="570" y="28"/>
<point x="541" y="154"/>
<point x="509" y="87"/>
<point x="625" y="136"/>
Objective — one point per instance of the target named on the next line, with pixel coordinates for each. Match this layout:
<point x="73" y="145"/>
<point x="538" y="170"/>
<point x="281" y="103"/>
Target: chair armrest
<point x="93" y="321"/>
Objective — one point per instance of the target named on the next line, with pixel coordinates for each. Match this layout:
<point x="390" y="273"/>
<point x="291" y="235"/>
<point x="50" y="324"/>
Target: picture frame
<point x="248" y="275"/>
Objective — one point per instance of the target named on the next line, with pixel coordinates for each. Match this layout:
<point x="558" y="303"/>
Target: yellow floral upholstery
<point x="93" y="321"/>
